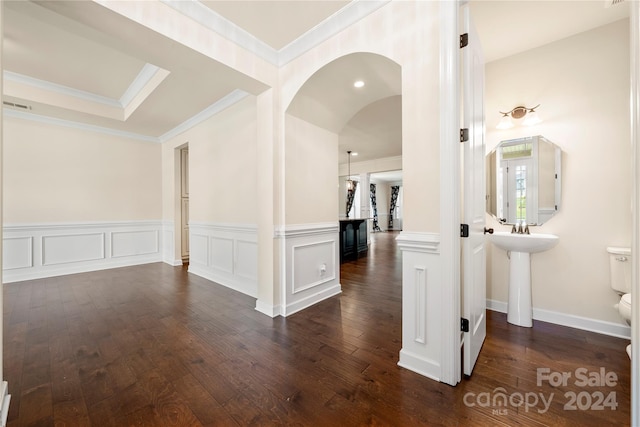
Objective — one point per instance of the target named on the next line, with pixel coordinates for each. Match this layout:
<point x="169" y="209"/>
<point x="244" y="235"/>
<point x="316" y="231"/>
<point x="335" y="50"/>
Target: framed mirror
<point x="523" y="180"/>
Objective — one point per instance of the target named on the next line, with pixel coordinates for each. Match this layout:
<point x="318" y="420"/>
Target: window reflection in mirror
<point x="523" y="180"/>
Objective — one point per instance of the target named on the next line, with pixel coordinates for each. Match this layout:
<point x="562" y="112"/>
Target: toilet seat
<point x="625" y="307"/>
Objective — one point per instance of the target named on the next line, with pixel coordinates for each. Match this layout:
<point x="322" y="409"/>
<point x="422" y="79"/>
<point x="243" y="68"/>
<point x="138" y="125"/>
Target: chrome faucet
<point x="520" y="229"/>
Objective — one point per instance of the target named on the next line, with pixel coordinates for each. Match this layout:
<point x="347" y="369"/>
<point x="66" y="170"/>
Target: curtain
<point x="395" y="189"/>
<point x="350" y="195"/>
<point x="374" y="206"/>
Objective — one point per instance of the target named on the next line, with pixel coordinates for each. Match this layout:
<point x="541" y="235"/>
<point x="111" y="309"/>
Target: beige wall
<point x="582" y="84"/>
<point x="311" y="155"/>
<point x="60" y="174"/>
<point x="222" y="167"/>
<point x="407" y="33"/>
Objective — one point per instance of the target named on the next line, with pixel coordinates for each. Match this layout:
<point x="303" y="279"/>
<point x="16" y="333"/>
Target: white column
<point x="269" y="134"/>
<point x="365" y="205"/>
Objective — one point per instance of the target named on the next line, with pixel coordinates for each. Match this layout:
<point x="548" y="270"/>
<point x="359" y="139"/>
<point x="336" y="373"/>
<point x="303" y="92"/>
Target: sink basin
<point x="529" y="243"/>
<point x="520" y="247"/>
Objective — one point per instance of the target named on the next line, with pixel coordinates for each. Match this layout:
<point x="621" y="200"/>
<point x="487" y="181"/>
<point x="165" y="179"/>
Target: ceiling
<point x="78" y="63"/>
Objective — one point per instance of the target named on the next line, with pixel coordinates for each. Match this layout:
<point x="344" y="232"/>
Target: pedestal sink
<point x="519" y="248"/>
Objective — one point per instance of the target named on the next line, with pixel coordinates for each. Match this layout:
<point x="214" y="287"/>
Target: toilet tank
<point x="620" y="269"/>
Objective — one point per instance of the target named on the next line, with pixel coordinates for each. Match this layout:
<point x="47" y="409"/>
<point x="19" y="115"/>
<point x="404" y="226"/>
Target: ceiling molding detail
<point x="224" y="103"/>
<point x="147" y="80"/>
<point x="60" y="89"/>
<point x="343" y="18"/>
<point x="8" y="112"/>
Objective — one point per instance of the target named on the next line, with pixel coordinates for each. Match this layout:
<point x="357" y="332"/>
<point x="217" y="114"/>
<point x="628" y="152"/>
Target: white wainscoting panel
<point x="421" y="303"/>
<point x="226" y="254"/>
<point x="221" y="254"/>
<point x="129" y="243"/>
<point x="169" y="244"/>
<point x="72" y="248"/>
<point x="312" y="265"/>
<point x="17" y="252"/>
<point x="247" y="259"/>
<point x="33" y="251"/>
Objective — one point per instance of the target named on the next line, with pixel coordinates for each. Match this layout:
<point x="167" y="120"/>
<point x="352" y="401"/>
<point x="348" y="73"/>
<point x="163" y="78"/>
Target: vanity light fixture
<point x="517" y="113"/>
<point x="358" y="84"/>
<point x="350" y="185"/>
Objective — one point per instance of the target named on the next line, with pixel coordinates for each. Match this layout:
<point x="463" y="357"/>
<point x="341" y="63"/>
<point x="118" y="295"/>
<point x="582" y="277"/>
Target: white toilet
<point x="620" y="277"/>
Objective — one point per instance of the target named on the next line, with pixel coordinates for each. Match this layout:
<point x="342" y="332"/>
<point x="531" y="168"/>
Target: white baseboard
<point x="5" y="398"/>
<point x="35" y="251"/>
<point x="587" y="324"/>
<point x="416" y="363"/>
<point x="313" y="299"/>
<point x="269" y="310"/>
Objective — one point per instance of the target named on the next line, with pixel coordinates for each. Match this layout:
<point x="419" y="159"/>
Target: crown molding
<point x="343" y="18"/>
<point x="147" y="80"/>
<point x="8" y="112"/>
<point x="61" y="89"/>
<point x="222" y="104"/>
<point x="233" y="97"/>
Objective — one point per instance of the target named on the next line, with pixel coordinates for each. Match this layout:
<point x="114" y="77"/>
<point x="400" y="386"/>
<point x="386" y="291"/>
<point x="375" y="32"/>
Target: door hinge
<point x="464" y="40"/>
<point x="464" y="135"/>
<point x="464" y="230"/>
<point x="464" y="324"/>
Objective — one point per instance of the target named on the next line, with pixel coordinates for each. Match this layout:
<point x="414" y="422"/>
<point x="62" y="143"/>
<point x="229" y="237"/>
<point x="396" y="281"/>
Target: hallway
<point x="153" y="345"/>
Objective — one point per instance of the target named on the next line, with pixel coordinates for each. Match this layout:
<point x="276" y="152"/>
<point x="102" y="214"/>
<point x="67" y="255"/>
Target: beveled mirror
<point x="523" y="180"/>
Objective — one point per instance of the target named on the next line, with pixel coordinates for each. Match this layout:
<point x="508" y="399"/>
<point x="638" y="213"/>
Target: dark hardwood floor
<point x="153" y="345"/>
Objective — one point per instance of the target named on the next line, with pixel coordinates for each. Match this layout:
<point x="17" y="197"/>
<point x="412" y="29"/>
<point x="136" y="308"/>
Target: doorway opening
<point x="184" y="204"/>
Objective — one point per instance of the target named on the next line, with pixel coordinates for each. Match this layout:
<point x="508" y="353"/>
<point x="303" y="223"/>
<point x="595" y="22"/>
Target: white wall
<point x="582" y="84"/>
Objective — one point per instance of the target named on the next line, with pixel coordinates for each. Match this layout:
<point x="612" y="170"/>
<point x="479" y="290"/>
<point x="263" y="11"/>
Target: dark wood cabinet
<point x="353" y="239"/>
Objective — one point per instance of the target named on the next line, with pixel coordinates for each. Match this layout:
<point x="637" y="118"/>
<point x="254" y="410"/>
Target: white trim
<point x="223" y="103"/>
<point x="339" y="21"/>
<point x="634" y="57"/>
<point x="342" y="19"/>
<point x="5" y="400"/>
<point x="419" y="242"/>
<point x="227" y="268"/>
<point x="139" y="83"/>
<point x="297" y="230"/>
<point x="312" y="299"/>
<point x="60" y="89"/>
<point x="425" y="367"/>
<point x="319" y="242"/>
<point x="225" y="226"/>
<point x="81" y="247"/>
<point x="8" y="112"/>
<point x="147" y="80"/>
<point x="569" y="320"/>
<point x="271" y="311"/>
<point x="450" y="188"/>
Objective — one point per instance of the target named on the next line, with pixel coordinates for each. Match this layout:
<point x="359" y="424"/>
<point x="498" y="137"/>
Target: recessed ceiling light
<point x="358" y="83"/>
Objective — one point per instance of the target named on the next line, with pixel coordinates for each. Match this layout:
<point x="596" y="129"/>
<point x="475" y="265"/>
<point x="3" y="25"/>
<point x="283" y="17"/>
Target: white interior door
<point x="473" y="210"/>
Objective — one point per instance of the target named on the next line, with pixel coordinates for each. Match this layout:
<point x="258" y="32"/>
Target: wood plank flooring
<point x="155" y="346"/>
